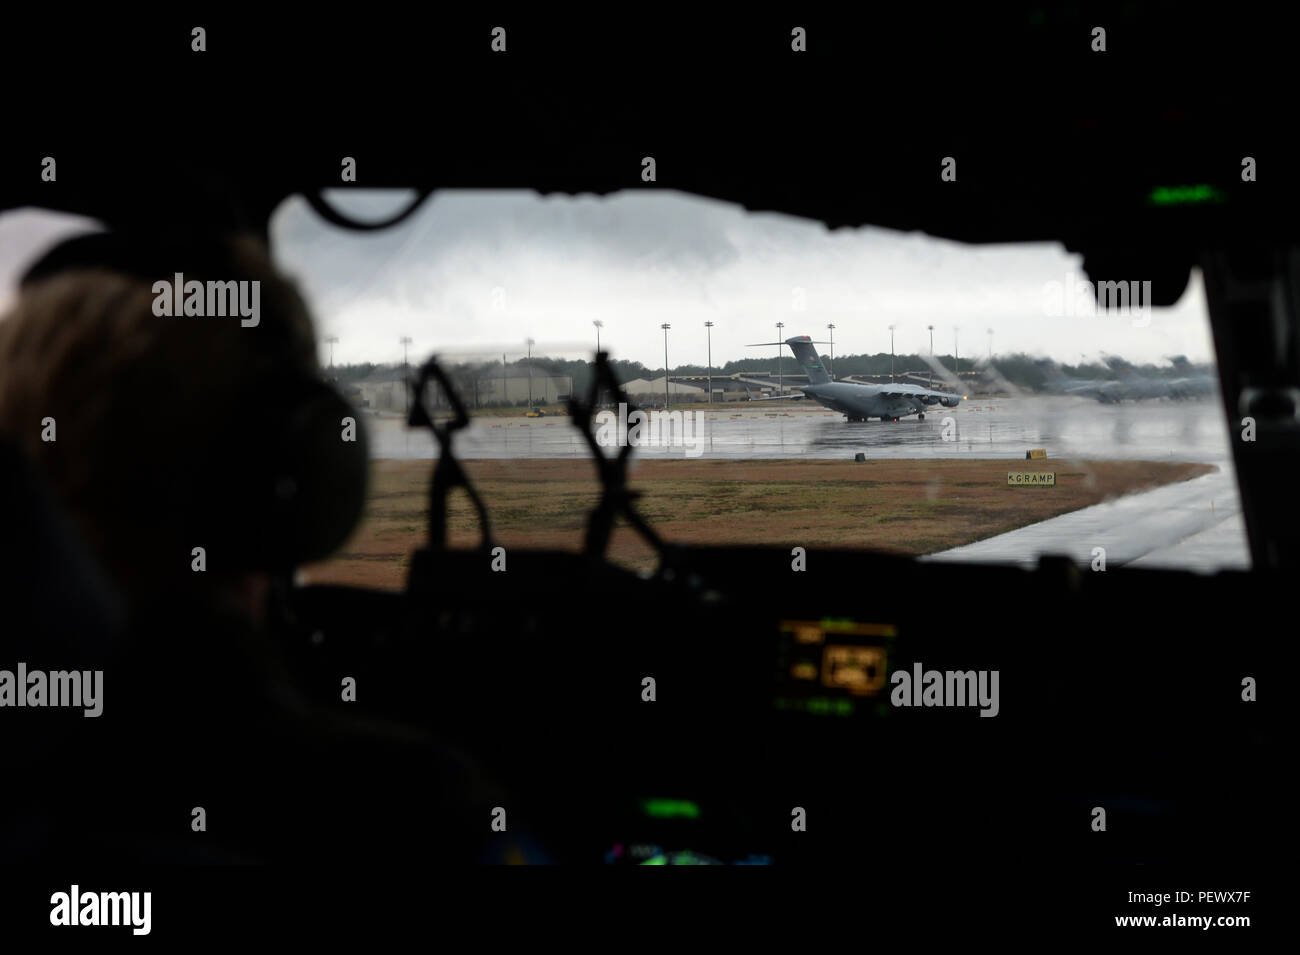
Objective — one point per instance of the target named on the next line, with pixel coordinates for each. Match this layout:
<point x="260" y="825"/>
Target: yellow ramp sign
<point x="1031" y="479"/>
<point x="1033" y="453"/>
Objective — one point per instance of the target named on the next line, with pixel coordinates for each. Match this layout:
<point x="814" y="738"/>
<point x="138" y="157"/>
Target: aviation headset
<point x="292" y="488"/>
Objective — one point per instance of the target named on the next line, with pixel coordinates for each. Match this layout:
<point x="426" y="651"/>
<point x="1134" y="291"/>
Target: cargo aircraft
<point x="858" y="401"/>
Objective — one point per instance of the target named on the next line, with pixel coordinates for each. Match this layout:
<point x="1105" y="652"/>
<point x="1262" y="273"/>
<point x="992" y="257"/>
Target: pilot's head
<point x="167" y="434"/>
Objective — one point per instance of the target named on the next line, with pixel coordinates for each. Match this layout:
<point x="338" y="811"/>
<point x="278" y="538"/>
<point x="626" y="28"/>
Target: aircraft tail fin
<point x="806" y="355"/>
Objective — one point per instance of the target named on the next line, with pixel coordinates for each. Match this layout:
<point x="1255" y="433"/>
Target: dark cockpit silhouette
<point x="162" y="477"/>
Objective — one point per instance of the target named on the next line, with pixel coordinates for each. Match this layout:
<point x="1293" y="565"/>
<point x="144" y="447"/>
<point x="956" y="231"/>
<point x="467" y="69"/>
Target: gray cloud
<point x="637" y="259"/>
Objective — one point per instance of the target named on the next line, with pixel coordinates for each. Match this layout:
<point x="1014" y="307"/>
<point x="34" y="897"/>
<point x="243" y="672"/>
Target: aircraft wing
<point x="795" y="397"/>
<point x="798" y="397"/>
<point x="925" y="395"/>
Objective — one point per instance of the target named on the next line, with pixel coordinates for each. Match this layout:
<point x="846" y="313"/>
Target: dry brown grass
<point x="904" y="506"/>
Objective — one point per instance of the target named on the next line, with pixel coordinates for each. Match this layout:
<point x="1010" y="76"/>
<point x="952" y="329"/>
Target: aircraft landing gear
<point x="920" y="416"/>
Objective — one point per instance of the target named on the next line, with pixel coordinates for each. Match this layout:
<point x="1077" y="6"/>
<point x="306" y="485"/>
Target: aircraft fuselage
<point x="859" y="401"/>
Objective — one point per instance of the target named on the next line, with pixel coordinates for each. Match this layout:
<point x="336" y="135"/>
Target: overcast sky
<point x="476" y="272"/>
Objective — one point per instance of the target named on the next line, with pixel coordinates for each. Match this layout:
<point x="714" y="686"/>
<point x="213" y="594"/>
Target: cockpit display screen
<point x="831" y="666"/>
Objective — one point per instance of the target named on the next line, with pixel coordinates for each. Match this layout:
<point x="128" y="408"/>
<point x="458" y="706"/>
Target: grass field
<point x="904" y="506"/>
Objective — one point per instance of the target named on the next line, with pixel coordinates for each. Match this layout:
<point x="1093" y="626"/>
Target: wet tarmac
<point x="995" y="428"/>
<point x="1193" y="525"/>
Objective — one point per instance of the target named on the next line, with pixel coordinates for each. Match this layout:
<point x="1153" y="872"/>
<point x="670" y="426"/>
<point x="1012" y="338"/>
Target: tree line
<point x="1024" y="371"/>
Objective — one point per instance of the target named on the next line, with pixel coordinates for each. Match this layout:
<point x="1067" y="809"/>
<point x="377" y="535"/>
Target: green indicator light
<point x="1185" y="195"/>
<point x="670" y="808"/>
<point x="656" y="860"/>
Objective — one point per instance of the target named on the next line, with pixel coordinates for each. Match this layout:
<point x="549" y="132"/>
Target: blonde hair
<point x="137" y="401"/>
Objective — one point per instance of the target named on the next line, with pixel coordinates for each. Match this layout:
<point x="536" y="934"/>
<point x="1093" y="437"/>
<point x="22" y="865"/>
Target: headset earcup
<point x="320" y="496"/>
<point x="301" y="472"/>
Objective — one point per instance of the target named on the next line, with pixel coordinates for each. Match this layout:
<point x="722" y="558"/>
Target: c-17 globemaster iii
<point x="858" y="401"/>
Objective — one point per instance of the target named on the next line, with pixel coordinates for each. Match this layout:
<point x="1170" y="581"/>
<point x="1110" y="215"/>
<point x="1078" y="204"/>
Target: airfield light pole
<point x="665" y="326"/>
<point x="405" y="342"/>
<point x="330" y="341"/>
<point x="780" y="378"/>
<point x="931" y="327"/>
<point x="708" y="331"/>
<point x="955" y="359"/>
<point x="891" y="354"/>
<point x="530" y="372"/>
<point x="599" y="325"/>
<point x="832" y="368"/>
